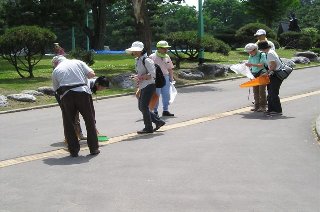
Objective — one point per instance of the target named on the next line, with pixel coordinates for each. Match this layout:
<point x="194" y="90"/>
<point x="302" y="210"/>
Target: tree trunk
<point x="142" y="23"/>
<point x="99" y="15"/>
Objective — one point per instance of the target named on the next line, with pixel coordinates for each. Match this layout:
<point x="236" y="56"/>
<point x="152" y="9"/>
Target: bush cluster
<point x="85" y="56"/>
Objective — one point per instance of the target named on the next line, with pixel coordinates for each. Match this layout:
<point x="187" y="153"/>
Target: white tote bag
<point x="173" y="92"/>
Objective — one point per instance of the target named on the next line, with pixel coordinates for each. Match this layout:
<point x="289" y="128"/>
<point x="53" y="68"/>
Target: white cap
<point x="136" y="46"/>
<point x="250" y="47"/>
<point x="57" y="59"/>
<point x="260" y="32"/>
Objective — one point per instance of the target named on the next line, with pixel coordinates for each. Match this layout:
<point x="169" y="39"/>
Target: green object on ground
<point x="103" y="138"/>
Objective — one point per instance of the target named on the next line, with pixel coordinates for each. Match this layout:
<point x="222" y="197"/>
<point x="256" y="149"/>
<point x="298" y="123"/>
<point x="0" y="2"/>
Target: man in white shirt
<point x="70" y="81"/>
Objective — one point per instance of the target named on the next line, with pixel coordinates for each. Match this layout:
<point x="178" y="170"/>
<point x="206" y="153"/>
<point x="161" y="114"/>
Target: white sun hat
<point x="163" y="44"/>
<point x="250" y="47"/>
<point x="260" y="32"/>
<point x="136" y="46"/>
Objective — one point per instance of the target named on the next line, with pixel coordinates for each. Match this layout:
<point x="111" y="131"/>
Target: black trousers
<point x="71" y="103"/>
<point x="274" y="104"/>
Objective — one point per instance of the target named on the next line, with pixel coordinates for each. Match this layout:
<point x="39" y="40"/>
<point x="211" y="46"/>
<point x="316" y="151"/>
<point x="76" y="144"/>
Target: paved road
<point x="214" y="155"/>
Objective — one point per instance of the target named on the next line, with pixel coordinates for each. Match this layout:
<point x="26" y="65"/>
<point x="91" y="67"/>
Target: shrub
<point x="246" y="33"/>
<point x="24" y="46"/>
<point x="304" y="42"/>
<point x="316" y="50"/>
<point x="85" y="56"/>
<point x="295" y="40"/>
<point x="227" y="36"/>
<point x="189" y="44"/>
<point x="312" y="32"/>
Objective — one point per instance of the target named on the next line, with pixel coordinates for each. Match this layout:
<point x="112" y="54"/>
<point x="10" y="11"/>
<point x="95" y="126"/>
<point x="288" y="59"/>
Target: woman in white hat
<point x="257" y="62"/>
<point x="161" y="58"/>
<point x="145" y="78"/>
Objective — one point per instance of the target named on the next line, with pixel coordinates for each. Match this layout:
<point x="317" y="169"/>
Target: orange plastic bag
<point x="262" y="80"/>
<point x="154" y="100"/>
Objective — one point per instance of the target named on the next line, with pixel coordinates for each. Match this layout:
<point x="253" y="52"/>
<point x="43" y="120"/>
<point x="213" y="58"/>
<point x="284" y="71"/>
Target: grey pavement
<point x="241" y="162"/>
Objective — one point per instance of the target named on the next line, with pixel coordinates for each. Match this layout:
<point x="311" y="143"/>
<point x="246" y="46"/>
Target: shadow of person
<point x="262" y="116"/>
<point x="144" y="137"/>
<point x="67" y="160"/>
<point x="58" y="144"/>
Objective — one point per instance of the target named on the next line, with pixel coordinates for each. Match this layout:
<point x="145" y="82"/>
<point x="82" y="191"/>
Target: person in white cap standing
<point x="257" y="62"/>
<point x="161" y="58"/>
<point x="261" y="35"/>
<point x="145" y="78"/>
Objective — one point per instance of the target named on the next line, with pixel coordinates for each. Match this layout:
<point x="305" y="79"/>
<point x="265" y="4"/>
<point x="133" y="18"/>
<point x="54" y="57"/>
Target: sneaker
<point x="157" y="114"/>
<point x="167" y="113"/>
<point x="158" y="125"/>
<point x="144" y="131"/>
<point x="95" y="152"/>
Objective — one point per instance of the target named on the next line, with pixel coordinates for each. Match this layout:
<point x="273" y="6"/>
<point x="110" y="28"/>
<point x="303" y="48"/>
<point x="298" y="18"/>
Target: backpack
<point x="160" y="80"/>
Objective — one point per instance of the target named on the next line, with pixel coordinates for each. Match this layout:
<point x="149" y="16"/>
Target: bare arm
<point x="272" y="65"/>
<point x="91" y="74"/>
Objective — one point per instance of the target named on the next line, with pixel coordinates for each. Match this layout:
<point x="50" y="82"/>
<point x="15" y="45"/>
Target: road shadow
<point x="202" y="88"/>
<point x="145" y="137"/>
<point x="67" y="160"/>
<point x="262" y="116"/>
<point x="63" y="144"/>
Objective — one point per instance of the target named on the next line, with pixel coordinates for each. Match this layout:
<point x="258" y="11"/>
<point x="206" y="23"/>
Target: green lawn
<point x="108" y="65"/>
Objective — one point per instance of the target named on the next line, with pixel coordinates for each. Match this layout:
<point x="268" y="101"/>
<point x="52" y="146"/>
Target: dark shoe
<point x="144" y="131"/>
<point x="272" y="113"/>
<point x="158" y="125"/>
<point x="95" y="152"/>
<point x="157" y="114"/>
<point x="167" y="113"/>
<point x="74" y="155"/>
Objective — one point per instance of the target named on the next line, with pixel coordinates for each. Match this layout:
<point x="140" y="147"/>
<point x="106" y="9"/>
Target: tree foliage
<point x="246" y="33"/>
<point x="222" y="15"/>
<point x="308" y="14"/>
<point x="269" y="11"/>
<point x="24" y="47"/>
<point x="44" y="13"/>
<point x="188" y="43"/>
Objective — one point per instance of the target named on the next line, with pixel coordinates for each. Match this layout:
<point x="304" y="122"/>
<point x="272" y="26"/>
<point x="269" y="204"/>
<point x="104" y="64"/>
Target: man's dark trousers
<point x="82" y="102"/>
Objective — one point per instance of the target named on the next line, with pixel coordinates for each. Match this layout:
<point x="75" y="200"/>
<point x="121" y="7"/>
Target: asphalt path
<point x="214" y="155"/>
